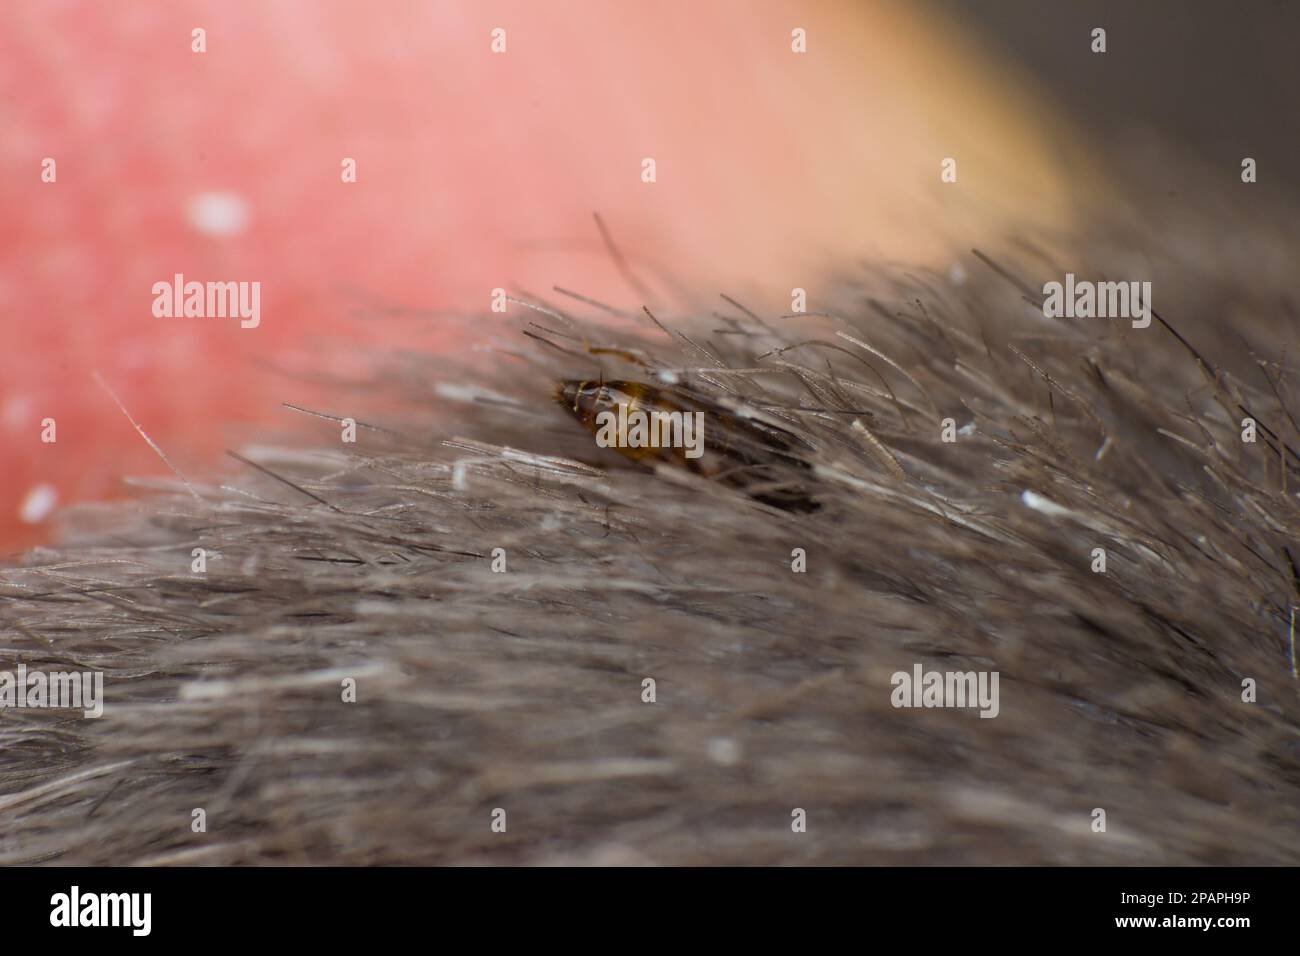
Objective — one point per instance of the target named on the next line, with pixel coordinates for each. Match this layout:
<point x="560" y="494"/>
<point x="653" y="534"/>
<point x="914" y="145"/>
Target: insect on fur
<point x="679" y="427"/>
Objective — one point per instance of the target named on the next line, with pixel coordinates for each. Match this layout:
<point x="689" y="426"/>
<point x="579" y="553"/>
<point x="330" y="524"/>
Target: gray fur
<point x="522" y="690"/>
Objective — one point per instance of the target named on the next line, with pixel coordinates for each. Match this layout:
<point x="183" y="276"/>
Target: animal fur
<point x="522" y="690"/>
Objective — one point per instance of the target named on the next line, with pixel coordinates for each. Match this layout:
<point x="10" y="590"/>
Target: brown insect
<point x="741" y="452"/>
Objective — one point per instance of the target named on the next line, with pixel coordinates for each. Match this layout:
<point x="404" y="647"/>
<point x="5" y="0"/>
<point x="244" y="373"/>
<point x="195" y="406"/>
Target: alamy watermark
<point x="1083" y="299"/>
<point x="75" y="908"/>
<point x="946" y="689"/>
<point x="653" y="428"/>
<point x="208" y="300"/>
<point x="53" y="690"/>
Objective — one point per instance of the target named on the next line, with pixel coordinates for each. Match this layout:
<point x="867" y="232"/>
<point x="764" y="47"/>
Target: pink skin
<point x="474" y="171"/>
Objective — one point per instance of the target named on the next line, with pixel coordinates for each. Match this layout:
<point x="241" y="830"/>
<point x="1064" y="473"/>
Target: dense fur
<point x="523" y="690"/>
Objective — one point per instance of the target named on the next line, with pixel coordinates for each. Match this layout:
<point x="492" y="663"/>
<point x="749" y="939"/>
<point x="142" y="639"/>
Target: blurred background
<point x="478" y="170"/>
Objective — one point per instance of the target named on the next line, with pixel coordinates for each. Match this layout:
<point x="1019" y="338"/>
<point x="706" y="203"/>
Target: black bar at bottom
<point x="455" y="907"/>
